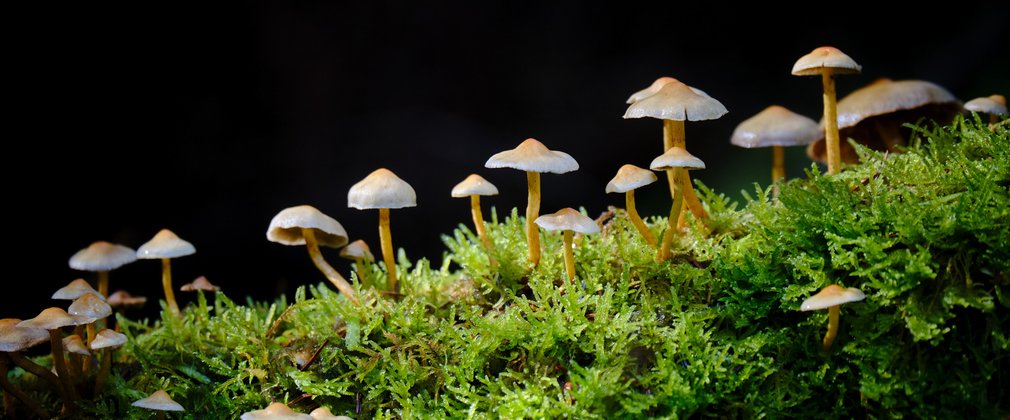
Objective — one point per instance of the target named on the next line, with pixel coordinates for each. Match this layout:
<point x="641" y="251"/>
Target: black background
<point x="208" y="120"/>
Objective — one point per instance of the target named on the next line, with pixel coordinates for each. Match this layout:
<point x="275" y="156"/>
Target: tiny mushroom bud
<point x="675" y="158"/>
<point x="74" y="290"/>
<point x="102" y="257"/>
<point x="160" y="402"/>
<point x="383" y="190"/>
<point x="475" y="186"/>
<point x="827" y="62"/>
<point x="164" y="246"/>
<point x="776" y="127"/>
<point x="275" y="411"/>
<point x="568" y="220"/>
<point x="201" y="283"/>
<point x="831" y="297"/>
<point x="359" y="252"/>
<point x="629" y="178"/>
<point x="306" y="225"/>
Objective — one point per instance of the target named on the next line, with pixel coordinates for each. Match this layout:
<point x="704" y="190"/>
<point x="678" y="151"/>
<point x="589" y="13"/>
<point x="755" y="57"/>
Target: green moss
<point x="716" y="331"/>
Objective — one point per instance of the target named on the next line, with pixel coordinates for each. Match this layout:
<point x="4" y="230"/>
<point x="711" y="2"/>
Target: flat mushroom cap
<point x="474" y="185"/>
<point x="75" y="344"/>
<point x="323" y="413"/>
<point x="286" y="227"/>
<point x="16" y="338"/>
<point x="107" y="338"/>
<point x="676" y="157"/>
<point x="993" y="105"/>
<point x="53" y="318"/>
<point x="832" y="295"/>
<point x="357" y="249"/>
<point x="630" y="177"/>
<point x="568" y="219"/>
<point x="381" y="189"/>
<point x="679" y="102"/>
<point x="102" y="256"/>
<point x="275" y="411"/>
<point x="123" y="299"/>
<point x="825" y="58"/>
<point x="532" y="156"/>
<point x="775" y="126"/>
<point x="159" y="401"/>
<point x="201" y="283"/>
<point x="91" y="307"/>
<point x="74" y="290"/>
<point x="165" y="244"/>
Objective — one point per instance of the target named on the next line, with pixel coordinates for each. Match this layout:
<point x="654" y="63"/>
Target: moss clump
<point x="716" y="330"/>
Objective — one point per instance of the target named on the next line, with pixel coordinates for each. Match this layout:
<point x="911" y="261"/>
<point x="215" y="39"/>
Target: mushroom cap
<point x="994" y="105"/>
<point x="532" y="156"/>
<point x="160" y="401"/>
<point x="275" y="411"/>
<point x="102" y="256"/>
<point x="679" y="102"/>
<point x="123" y="299"/>
<point x="108" y="338"/>
<point x="16" y="338"/>
<point x="655" y="87"/>
<point x="885" y="96"/>
<point x="90" y="306"/>
<point x="74" y="290"/>
<point x="357" y="249"/>
<point x="825" y="59"/>
<point x="474" y="185"/>
<point x="676" y="157"/>
<point x="201" y="283"/>
<point x="381" y="189"/>
<point x="165" y="244"/>
<point x="286" y="227"/>
<point x="630" y="177"/>
<point x="832" y="295"/>
<point x="75" y="344"/>
<point x="324" y="413"/>
<point x="775" y="126"/>
<point x="53" y="318"/>
<point x="568" y="219"/>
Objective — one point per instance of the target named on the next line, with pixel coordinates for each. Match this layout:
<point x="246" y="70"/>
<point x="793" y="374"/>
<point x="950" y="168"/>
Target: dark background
<point x="208" y="120"/>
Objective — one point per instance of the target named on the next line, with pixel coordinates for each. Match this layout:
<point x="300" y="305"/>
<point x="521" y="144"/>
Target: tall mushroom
<point x="827" y="62"/>
<point x="164" y="246"/>
<point x="534" y="158"/>
<point x="776" y="127"/>
<point x="306" y="225"/>
<point x="628" y="179"/>
<point x="52" y="319"/>
<point x="358" y="252"/>
<point x="383" y="190"/>
<point x="831" y="297"/>
<point x="568" y="220"/>
<point x="679" y="160"/>
<point x="102" y="257"/>
<point x="475" y="186"/>
<point x="14" y="340"/>
<point x="994" y="105"/>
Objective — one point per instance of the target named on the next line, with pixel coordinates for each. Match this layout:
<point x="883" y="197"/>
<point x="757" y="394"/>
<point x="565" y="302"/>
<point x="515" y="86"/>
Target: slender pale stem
<point x="103" y="283"/>
<point x="629" y="200"/>
<point x="831" y="123"/>
<point x="166" y="283"/>
<point x="671" y="225"/>
<point x="56" y="342"/>
<point x="829" y="337"/>
<point x="386" y="240"/>
<point x="331" y="273"/>
<point x="569" y="256"/>
<point x="532" y="212"/>
<point x="478" y="220"/>
<point x="11" y="390"/>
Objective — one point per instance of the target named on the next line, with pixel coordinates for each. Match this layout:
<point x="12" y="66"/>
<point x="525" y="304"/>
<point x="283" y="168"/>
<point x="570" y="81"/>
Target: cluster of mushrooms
<point x="872" y="115"/>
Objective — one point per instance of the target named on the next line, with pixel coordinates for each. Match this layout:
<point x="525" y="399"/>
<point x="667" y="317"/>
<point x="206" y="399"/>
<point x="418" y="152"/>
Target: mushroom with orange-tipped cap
<point x="359" y="252"/>
<point x="534" y="158"/>
<point x="106" y="341"/>
<point x="994" y="105"/>
<point x="383" y="190"/>
<point x="306" y="225"/>
<point x="568" y="220"/>
<point x="475" y="186"/>
<point x="102" y="257"/>
<point x="827" y="62"/>
<point x="776" y="127"/>
<point x="14" y="340"/>
<point x="628" y="179"/>
<point x="52" y="319"/>
<point x="200" y="284"/>
<point x="159" y="401"/>
<point x="831" y="297"/>
<point x="680" y="160"/>
<point x="164" y="246"/>
<point x="275" y="411"/>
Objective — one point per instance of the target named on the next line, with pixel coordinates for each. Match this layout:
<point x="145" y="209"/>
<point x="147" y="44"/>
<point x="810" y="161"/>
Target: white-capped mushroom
<point x="164" y="246"/>
<point x="383" y="190"/>
<point x="827" y="62"/>
<point x="569" y="221"/>
<point x="102" y="257"/>
<point x="628" y="179"/>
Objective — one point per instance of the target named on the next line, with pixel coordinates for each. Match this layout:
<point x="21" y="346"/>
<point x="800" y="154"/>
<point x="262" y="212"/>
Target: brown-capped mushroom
<point x="14" y="340"/>
<point x="827" y="62"/>
<point x="52" y="320"/>
<point x="628" y="179"/>
<point x="200" y="283"/>
<point x="164" y="246"/>
<point x="383" y="190"/>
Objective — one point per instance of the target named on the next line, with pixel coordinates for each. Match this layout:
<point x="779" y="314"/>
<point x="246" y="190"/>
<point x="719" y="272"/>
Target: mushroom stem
<point x="829" y="337"/>
<point x="532" y="212"/>
<point x="478" y="220"/>
<point x="671" y="222"/>
<point x="29" y="366"/>
<point x="569" y="255"/>
<point x="331" y="273"/>
<point x="103" y="283"/>
<point x="166" y="283"/>
<point x="103" y="371"/>
<point x="56" y="342"/>
<point x="673" y="136"/>
<point x="360" y="269"/>
<point x="778" y="163"/>
<point x="386" y="239"/>
<point x="11" y="390"/>
<point x="831" y="123"/>
<point x="629" y="200"/>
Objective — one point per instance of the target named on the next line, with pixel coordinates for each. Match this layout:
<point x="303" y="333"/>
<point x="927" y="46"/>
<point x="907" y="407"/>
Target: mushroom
<point x="275" y="411"/>
<point x="680" y="160"/>
<point x="14" y="340"/>
<point x="121" y="300"/>
<point x="102" y="257"/>
<point x="306" y="225"/>
<point x="106" y="341"/>
<point x="831" y="297"/>
<point x="160" y="402"/>
<point x="74" y="345"/>
<point x="475" y="186"/>
<point x="92" y="308"/>
<point x="324" y="413"/>
<point x="994" y="105"/>
<point x="74" y="290"/>
<point x="873" y="115"/>
<point x="674" y="103"/>
<point x="383" y="190"/>
<point x="358" y="252"/>
<point x="827" y="62"/>
<point x="52" y="319"/>
<point x="776" y="127"/>
<point x="201" y="283"/>
<point x="568" y="220"/>
<point x="164" y="246"/>
<point x="533" y="157"/>
<point x="629" y="178"/>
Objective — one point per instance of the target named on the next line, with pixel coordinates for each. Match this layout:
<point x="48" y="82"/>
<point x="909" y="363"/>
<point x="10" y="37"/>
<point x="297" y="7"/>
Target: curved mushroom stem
<point x="532" y="212"/>
<point x="569" y="256"/>
<point x="829" y="337"/>
<point x="673" y="135"/>
<point x="166" y="283"/>
<point x="103" y="371"/>
<point x="11" y="390"/>
<point x="478" y="220"/>
<point x="386" y="240"/>
<point x="671" y="224"/>
<point x="331" y="273"/>
<point x="629" y="200"/>
<point x="56" y="342"/>
<point x="831" y="123"/>
<point x="29" y="366"/>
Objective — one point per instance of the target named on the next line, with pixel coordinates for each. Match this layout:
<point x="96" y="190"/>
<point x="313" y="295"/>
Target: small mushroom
<point x="776" y="127"/>
<point x="164" y="246"/>
<point x="568" y="220"/>
<point x="106" y="341"/>
<point x="74" y="345"/>
<point x="994" y="105"/>
<point x="628" y="179"/>
<point x="306" y="225"/>
<point x="102" y="257"/>
<point x="275" y="411"/>
<point x="359" y="252"/>
<point x="74" y="290"/>
<point x="534" y="158"/>
<point x="383" y="190"/>
<point x="14" y="340"/>
<point x="201" y="283"/>
<point x="475" y="186"/>
<point x="831" y="297"/>
<point x="324" y="413"/>
<point x="52" y="319"/>
<point x="92" y="308"/>
<point x="674" y="159"/>
<point x="159" y="402"/>
<point x="827" y="62"/>
<point x="121" y="299"/>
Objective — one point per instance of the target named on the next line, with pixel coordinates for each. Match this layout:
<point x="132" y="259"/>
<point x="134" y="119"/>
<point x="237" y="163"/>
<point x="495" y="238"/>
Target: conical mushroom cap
<point x="825" y="59"/>
<point x="676" y="157"/>
<point x="159" y="401"/>
<point x="568" y="219"/>
<point x="832" y="295"/>
<point x="532" y="156"/>
<point x="323" y="413"/>
<point x="679" y="102"/>
<point x="53" y="318"/>
<point x="286" y="227"/>
<point x="474" y="185"/>
<point x="275" y="411"/>
<point x="74" y="344"/>
<point x="102" y="256"/>
<point x="775" y="126"/>
<point x="74" y="290"/>
<point x="655" y="87"/>
<point x="165" y="244"/>
<point x="357" y="249"/>
<point x="993" y="105"/>
<point x="381" y="189"/>
<point x="630" y="177"/>
<point x="90" y="306"/>
<point x="15" y="338"/>
<point x="123" y="299"/>
<point x="201" y="283"/>
<point x="107" y="338"/>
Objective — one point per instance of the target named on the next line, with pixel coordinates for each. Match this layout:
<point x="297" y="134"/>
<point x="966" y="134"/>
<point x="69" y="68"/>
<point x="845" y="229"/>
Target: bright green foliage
<point x="716" y="331"/>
